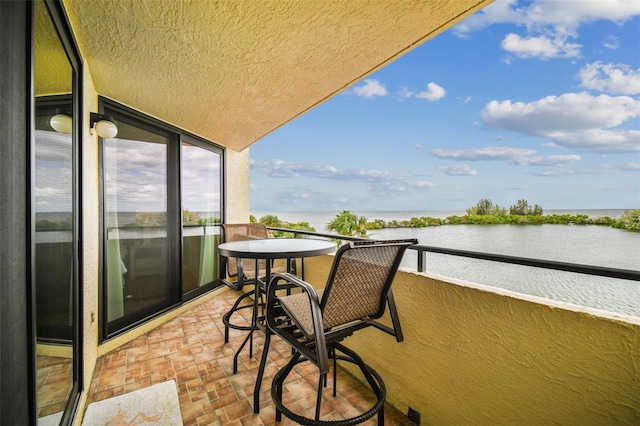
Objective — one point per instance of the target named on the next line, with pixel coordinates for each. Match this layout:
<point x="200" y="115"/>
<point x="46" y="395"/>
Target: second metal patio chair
<point x="314" y="322"/>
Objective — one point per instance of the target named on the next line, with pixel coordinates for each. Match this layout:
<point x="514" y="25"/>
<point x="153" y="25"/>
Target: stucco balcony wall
<point x="477" y="355"/>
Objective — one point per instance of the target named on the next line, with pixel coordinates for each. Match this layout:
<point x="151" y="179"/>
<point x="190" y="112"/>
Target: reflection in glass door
<point x="201" y="204"/>
<point x="56" y="254"/>
<point x="54" y="211"/>
<point x="137" y="242"/>
<point x="55" y="267"/>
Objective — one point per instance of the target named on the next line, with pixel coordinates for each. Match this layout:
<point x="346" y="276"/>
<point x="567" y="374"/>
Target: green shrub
<point x="630" y="220"/>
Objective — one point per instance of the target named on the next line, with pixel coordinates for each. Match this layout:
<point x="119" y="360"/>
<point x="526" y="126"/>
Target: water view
<point x="587" y="245"/>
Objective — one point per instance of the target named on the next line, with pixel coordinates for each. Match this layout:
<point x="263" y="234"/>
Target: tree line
<point x="485" y="212"/>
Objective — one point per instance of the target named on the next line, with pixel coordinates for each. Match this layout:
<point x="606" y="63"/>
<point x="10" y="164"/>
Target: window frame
<point x="202" y="144"/>
<point x="175" y="136"/>
<point x="61" y="24"/>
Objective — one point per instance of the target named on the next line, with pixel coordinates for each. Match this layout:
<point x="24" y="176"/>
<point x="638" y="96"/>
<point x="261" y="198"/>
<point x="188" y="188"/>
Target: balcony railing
<point x="422" y="250"/>
<point x="476" y="356"/>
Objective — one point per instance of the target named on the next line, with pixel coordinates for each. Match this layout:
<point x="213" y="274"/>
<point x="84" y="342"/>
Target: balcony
<point x="190" y="349"/>
<point x="471" y="354"/>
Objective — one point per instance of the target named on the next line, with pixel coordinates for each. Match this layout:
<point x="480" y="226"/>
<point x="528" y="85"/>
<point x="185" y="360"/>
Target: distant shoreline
<point x="459" y="212"/>
<point x="319" y="219"/>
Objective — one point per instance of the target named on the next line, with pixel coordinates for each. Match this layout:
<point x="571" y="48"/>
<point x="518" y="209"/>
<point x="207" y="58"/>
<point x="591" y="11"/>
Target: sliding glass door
<point x="162" y="202"/>
<point x="137" y="231"/>
<point x="201" y="213"/>
<point x="56" y="216"/>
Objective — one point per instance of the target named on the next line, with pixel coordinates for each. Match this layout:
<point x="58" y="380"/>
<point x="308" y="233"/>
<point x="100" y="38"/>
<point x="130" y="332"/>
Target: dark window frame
<point x="174" y="216"/>
<point x="202" y="144"/>
<point x="67" y="39"/>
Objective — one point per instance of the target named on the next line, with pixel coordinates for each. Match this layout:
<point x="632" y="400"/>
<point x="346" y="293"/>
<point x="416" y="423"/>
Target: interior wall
<point x="476" y="355"/>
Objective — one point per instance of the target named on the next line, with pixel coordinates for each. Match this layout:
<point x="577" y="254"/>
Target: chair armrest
<point x="239" y="274"/>
<point x="291" y="279"/>
<point x="316" y="314"/>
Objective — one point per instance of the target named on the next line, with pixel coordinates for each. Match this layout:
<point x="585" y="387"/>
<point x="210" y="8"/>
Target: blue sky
<point x="534" y="100"/>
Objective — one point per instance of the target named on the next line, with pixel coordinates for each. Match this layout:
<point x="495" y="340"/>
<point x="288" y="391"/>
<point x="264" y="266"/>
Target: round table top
<point x="276" y="248"/>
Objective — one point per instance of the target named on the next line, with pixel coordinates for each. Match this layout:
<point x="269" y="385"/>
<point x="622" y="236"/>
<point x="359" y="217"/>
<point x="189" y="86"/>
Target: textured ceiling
<point x="52" y="71"/>
<point x="233" y="71"/>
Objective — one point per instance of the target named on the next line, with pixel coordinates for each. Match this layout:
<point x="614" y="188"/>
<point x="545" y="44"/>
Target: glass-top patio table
<point x="270" y="249"/>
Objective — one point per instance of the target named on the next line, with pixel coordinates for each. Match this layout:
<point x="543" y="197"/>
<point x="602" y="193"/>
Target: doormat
<point x="156" y="405"/>
<point x="50" y="420"/>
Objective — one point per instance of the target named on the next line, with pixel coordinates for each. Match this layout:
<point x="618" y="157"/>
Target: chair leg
<point x="258" y="302"/>
<point x="322" y="382"/>
<point x="263" y="363"/>
<point x="278" y="381"/>
<point x="360" y="363"/>
<point x="249" y="338"/>
<point x="393" y="311"/>
<point x="335" y="371"/>
<point x="226" y="318"/>
<point x="374" y="379"/>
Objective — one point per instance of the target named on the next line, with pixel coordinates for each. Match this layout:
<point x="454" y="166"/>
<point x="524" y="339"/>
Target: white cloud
<point x="611" y="78"/>
<point x="484" y="154"/>
<point x="53" y="177"/>
<point x="577" y="120"/>
<point x="551" y="160"/>
<point x="200" y="180"/>
<point x="380" y="180"/>
<point x="541" y="47"/>
<point x="600" y="140"/>
<point x="556" y="172"/>
<point x="283" y="169"/>
<point x="303" y="197"/>
<point x="500" y="11"/>
<point x="433" y="93"/>
<point x="599" y="169"/>
<point x="370" y="89"/>
<point x="549" y="24"/>
<point x="405" y="93"/>
<point x="612" y="42"/>
<point x="458" y="170"/>
<point x="574" y="13"/>
<point x="521" y="157"/>
<point x="629" y="166"/>
<point x="130" y="167"/>
<point x="561" y="15"/>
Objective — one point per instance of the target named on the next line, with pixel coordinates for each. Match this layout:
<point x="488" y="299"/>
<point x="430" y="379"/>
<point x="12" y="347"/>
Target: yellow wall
<point x="237" y="202"/>
<point x="474" y="356"/>
<point x="237" y="179"/>
<point x="90" y="233"/>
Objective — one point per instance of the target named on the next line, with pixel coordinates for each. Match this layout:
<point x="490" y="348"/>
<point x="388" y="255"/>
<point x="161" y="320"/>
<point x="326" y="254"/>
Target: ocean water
<point x="588" y="245"/>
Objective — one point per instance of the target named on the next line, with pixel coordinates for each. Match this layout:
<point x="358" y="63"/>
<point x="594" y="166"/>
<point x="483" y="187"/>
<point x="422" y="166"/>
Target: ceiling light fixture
<point x="103" y="125"/>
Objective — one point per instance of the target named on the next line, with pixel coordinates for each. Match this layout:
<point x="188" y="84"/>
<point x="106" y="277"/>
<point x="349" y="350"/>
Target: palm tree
<point x="272" y="221"/>
<point x="347" y="223"/>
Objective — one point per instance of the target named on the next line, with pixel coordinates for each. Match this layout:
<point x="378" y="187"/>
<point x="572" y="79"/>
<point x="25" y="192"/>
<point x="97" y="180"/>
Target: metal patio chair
<point x="314" y="322"/>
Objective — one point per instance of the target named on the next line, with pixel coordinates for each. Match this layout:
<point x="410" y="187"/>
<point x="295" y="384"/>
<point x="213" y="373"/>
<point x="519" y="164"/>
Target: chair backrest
<point x="360" y="279"/>
<point x="242" y="232"/>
